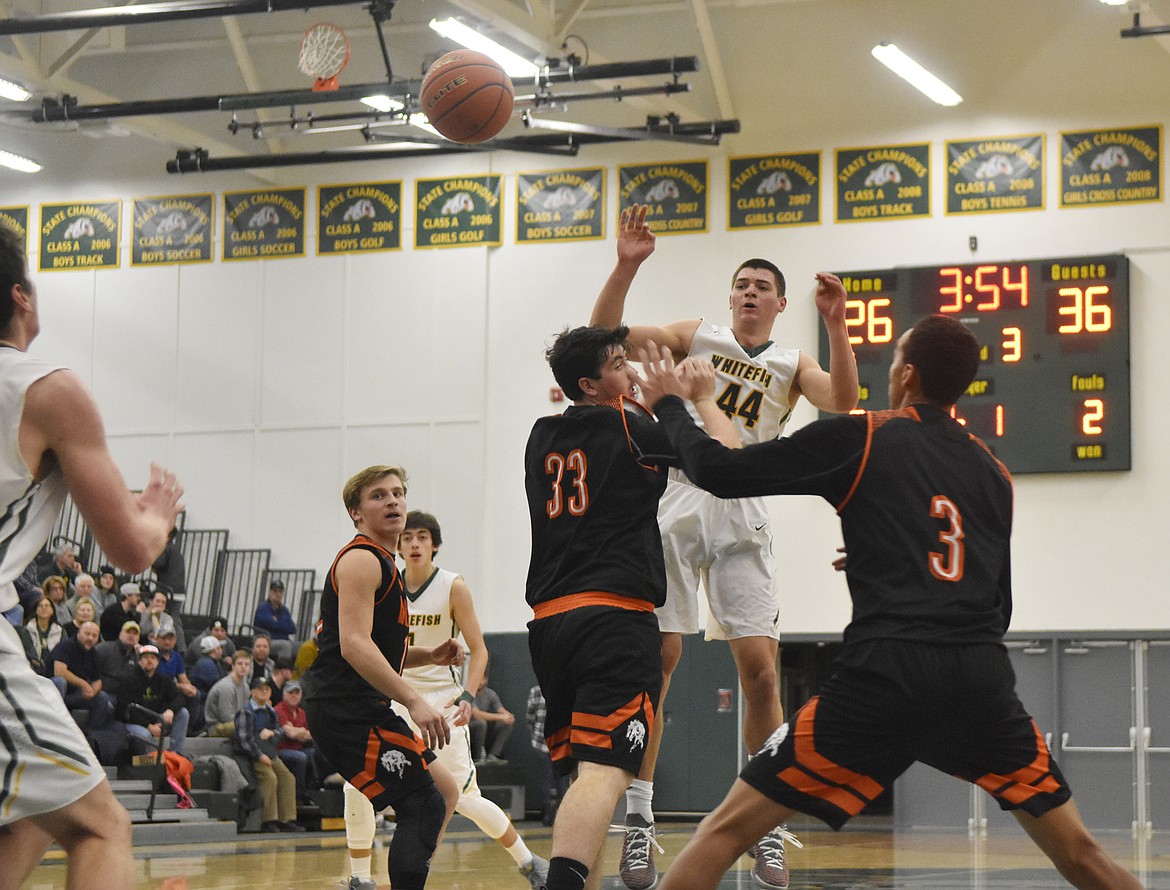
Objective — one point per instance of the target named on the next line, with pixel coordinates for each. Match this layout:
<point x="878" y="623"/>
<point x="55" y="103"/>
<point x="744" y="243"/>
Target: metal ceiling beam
<point x="694" y="134"/>
<point x="155" y="12"/>
<point x="714" y="58"/>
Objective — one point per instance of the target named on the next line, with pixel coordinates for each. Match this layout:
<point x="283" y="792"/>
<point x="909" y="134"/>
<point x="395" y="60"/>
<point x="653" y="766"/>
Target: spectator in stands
<point x="170" y="569"/>
<point x="491" y="725"/>
<point x="83" y="612"/>
<point x="552" y="786"/>
<point x="55" y="588"/>
<point x="117" y="658"/>
<point x="262" y="661"/>
<point x="79" y="678"/>
<point x="82" y="589"/>
<point x="28" y="591"/>
<point x="282" y="671"/>
<point x="150" y="688"/>
<point x="44" y="632"/>
<point x="271" y="615"/>
<point x="296" y="749"/>
<point x="217" y="629"/>
<point x="209" y="669"/>
<point x="64" y="563"/>
<point x="126" y="609"/>
<point x="170" y="663"/>
<point x="257" y="732"/>
<point x="157" y="618"/>
<point x="105" y="593"/>
<point x="228" y="696"/>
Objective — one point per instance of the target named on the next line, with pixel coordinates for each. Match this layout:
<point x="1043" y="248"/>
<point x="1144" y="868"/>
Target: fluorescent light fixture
<point x="382" y="102"/>
<point x="914" y="74"/>
<point x="13" y="91"/>
<point x="513" y="64"/>
<point x="16" y="162"/>
<point x="1115" y="2"/>
<point x="420" y="121"/>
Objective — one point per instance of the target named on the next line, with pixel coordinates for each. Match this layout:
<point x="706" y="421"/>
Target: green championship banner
<point x="16" y="219"/>
<point x="675" y="194"/>
<point x="883" y="182"/>
<point x="80" y="235"/>
<point x="268" y="224"/>
<point x="774" y="190"/>
<point x="1121" y="166"/>
<point x="460" y="212"/>
<point x="359" y="218"/>
<point x="560" y="205"/>
<point x="994" y="175"/>
<point x="172" y="229"/>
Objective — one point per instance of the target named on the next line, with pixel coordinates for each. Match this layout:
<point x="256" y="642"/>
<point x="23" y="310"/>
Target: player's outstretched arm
<point x="358" y="575"/>
<point x="61" y="423"/>
<point x="834" y="390"/>
<point x="634" y="245"/>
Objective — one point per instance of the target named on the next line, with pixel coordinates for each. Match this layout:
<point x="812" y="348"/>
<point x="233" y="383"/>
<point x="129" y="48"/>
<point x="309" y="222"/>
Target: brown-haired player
<point x="363" y="645"/>
<point x="723" y="545"/>
<point x="926" y="513"/>
<point x="51" y="444"/>
<point x="593" y="476"/>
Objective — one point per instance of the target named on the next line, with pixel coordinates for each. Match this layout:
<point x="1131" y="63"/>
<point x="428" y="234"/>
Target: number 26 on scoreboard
<point x="868" y="316"/>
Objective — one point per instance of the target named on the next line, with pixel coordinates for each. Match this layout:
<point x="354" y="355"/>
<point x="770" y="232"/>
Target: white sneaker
<point x="536" y="872"/>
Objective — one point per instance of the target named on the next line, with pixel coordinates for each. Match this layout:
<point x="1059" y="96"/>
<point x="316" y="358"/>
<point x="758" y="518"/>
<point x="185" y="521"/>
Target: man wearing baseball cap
<point x="164" y="707"/>
<point x="218" y="628"/>
<point x="258" y="731"/>
<point x="271" y="615"/>
<point x="209" y="669"/>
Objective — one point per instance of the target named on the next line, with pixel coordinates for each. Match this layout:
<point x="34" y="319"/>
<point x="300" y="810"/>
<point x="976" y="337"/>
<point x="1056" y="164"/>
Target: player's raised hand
<point x="698" y="376"/>
<point x="830" y="296"/>
<point x="431" y="726"/>
<point x="661" y="378"/>
<point x="160" y="497"/>
<point x="635" y="241"/>
<point x="450" y="651"/>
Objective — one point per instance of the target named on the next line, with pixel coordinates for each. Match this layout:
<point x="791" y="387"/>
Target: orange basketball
<point x="467" y="96"/>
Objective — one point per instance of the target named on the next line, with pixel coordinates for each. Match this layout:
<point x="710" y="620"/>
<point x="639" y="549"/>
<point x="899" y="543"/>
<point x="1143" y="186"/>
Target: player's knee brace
<point x="420" y="820"/>
<point x="359" y="819"/>
<point x="491" y="820"/>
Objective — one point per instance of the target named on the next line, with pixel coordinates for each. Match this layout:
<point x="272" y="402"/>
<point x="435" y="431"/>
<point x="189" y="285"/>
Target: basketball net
<point x="324" y="54"/>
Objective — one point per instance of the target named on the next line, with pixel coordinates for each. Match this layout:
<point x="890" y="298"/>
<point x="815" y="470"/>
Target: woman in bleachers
<point x="44" y="633"/>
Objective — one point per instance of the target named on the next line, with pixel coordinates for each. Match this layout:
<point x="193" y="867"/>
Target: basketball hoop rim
<point x="323" y="76"/>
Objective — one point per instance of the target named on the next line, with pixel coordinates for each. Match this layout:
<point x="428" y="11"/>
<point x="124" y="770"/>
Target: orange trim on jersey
<point x="609" y="723"/>
<point x="363" y="540"/>
<point x="590" y="598"/>
<point x="558" y="743"/>
<point x="1026" y="782"/>
<point x="590" y="738"/>
<point x="819" y="777"/>
<point x="364" y="781"/>
<point x="873" y="420"/>
<point x="621" y="406"/>
<point x="1002" y="469"/>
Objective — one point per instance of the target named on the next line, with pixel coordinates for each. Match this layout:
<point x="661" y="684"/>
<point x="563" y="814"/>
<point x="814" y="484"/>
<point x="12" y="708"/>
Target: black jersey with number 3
<point x="593" y="476"/>
<point x="926" y="513"/>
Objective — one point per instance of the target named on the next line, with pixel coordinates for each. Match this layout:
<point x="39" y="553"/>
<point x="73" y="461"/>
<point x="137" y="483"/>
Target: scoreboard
<point x="1052" y="392"/>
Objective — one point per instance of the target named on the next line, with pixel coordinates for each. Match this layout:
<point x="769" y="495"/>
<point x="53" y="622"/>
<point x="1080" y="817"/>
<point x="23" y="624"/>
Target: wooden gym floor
<point x="865" y="856"/>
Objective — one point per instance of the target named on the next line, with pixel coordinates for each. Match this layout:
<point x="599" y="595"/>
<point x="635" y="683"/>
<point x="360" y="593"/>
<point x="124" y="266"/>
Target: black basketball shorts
<point x="372" y="747"/>
<point x="600" y="669"/>
<point x="890" y="703"/>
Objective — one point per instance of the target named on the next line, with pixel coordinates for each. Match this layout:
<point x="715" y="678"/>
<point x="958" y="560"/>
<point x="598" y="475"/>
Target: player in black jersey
<point x="924" y="676"/>
<point x="363" y="645"/>
<point x="593" y="476"/>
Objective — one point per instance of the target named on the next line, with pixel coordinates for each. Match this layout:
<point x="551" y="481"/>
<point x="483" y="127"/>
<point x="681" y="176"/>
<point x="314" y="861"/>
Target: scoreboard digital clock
<point x="1052" y="392"/>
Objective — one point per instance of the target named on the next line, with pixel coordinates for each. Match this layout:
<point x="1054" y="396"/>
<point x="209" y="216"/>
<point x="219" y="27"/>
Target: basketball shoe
<point x="770" y="871"/>
<point x="536" y="872"/>
<point x="637" y="862"/>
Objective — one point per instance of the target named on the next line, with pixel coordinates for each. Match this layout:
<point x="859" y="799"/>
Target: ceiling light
<point x="514" y="65"/>
<point x="382" y="102"/>
<point x="1115" y="2"/>
<point x="13" y="91"/>
<point x="16" y="162"/>
<point x="914" y="74"/>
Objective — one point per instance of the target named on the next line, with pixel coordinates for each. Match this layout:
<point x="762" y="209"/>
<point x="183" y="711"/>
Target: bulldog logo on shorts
<point x="772" y="746"/>
<point x="394" y="762"/>
<point x="636" y="734"/>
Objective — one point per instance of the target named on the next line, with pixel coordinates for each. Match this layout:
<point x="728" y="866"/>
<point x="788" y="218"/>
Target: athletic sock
<point x="520" y="852"/>
<point x="359" y="866"/>
<point x="566" y="874"/>
<point x="640" y="799"/>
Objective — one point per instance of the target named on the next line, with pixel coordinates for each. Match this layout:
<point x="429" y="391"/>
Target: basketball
<point x="466" y="96"/>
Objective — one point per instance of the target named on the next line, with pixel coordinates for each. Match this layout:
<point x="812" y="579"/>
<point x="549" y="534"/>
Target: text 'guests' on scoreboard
<point x="1052" y="392"/>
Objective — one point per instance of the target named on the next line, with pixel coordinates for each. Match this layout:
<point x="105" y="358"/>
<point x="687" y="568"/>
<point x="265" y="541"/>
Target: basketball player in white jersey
<point x="441" y="608"/>
<point x="52" y="444"/>
<point x="727" y="543"/>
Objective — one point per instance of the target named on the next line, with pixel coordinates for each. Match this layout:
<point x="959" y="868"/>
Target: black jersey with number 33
<point x="926" y="513"/>
<point x="593" y="476"/>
